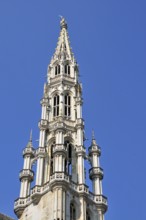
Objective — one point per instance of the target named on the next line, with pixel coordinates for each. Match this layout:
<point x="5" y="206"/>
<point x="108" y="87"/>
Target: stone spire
<point x="63" y="50"/>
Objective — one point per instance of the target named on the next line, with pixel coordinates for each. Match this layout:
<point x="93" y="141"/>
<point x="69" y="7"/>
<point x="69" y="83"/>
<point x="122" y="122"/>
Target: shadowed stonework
<point x="4" y="217"/>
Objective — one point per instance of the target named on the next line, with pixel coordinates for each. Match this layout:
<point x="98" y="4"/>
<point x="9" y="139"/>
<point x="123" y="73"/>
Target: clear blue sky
<point x="109" y="42"/>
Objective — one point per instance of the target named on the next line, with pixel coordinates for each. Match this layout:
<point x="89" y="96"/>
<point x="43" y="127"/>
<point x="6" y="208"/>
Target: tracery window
<point x="68" y="163"/>
<point x="56" y="105"/>
<point x="52" y="165"/>
<point x="67" y="69"/>
<point x="57" y="70"/>
<point x="72" y="212"/>
<point x="67" y="105"/>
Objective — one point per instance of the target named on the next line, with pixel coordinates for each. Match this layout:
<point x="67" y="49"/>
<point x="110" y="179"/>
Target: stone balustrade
<point x="96" y="172"/>
<point x="44" y="101"/>
<point x="95" y="149"/>
<point x="20" y="202"/>
<point x="65" y="124"/>
<point x="73" y="186"/>
<point x="68" y="78"/>
<point x="26" y="173"/>
<point x="29" y="151"/>
<point x="41" y="151"/>
<point x="37" y="191"/>
<point x="101" y="202"/>
<point x="43" y="124"/>
<point x="59" y="148"/>
<point x="100" y="199"/>
<point x="69" y="123"/>
<point x="59" y="176"/>
<point x="91" y="195"/>
<point x="55" y="79"/>
<point x="46" y="187"/>
<point x="82" y="188"/>
<point x="80" y="150"/>
<point x="80" y="121"/>
<point x="65" y="77"/>
<point x="59" y="125"/>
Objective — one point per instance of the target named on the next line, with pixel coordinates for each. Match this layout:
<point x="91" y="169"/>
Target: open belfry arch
<point x="60" y="191"/>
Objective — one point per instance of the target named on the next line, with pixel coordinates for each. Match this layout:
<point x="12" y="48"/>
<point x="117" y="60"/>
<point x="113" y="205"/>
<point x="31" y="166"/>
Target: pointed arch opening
<point x="51" y="163"/>
<point x="57" y="69"/>
<point x="72" y="211"/>
<point x="71" y="159"/>
<point x="68" y="161"/>
<point x="67" y="69"/>
<point x="56" y="105"/>
<point x="52" y="159"/>
<point x="67" y="105"/>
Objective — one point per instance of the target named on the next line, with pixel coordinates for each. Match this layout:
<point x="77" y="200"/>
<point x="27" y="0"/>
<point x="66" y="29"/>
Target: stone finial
<point x="63" y="23"/>
<point x="93" y="138"/>
<point x="30" y="139"/>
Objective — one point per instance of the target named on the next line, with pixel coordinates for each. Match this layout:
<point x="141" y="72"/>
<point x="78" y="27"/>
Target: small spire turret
<point x="95" y="173"/>
<point x="26" y="174"/>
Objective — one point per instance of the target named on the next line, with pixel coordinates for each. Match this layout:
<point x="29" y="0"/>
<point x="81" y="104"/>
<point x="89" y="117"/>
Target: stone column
<point x="59" y="203"/>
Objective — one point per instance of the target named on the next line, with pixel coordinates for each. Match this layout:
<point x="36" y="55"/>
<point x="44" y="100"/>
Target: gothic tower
<point x="60" y="191"/>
